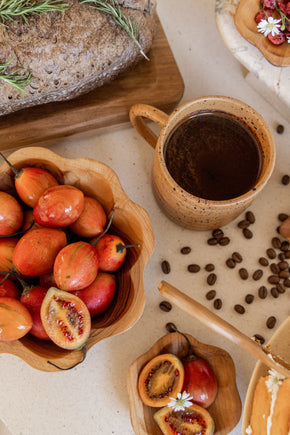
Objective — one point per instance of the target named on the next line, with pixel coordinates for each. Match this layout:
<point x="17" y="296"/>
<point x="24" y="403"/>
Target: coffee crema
<point x="213" y="156"/>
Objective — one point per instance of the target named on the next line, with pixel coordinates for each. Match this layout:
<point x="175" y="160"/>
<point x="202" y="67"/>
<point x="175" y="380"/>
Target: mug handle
<point x="140" y="111"/>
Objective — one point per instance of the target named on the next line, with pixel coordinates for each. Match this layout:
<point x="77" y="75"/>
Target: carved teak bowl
<point x="130" y="222"/>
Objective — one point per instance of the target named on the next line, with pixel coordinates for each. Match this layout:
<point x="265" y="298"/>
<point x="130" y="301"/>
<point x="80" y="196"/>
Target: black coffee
<point x="212" y="156"/>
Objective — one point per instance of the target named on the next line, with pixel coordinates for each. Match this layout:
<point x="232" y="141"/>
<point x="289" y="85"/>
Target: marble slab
<point x="270" y="81"/>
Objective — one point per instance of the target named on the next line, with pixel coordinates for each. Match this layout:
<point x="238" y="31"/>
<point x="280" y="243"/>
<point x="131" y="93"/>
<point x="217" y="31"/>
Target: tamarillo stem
<point x="15" y="171"/>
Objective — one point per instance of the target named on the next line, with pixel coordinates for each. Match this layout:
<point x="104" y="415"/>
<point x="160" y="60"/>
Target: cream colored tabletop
<point x="92" y="398"/>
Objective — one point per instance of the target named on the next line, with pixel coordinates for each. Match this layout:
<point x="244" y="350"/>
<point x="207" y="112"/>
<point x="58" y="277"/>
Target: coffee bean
<point x="276" y="243"/>
<point x="165" y="266"/>
<point x="283" y="265"/>
<point x="263" y="261"/>
<point x="284" y="274"/>
<point x="280" y="128"/>
<point x="281" y="256"/>
<point x="257" y="274"/>
<point x="185" y="250"/>
<point x="284" y="246"/>
<point x="271" y="253"/>
<point x="212" y="241"/>
<point x="217" y="303"/>
<point x="165" y="306"/>
<point x="287" y="253"/>
<point x="249" y="298"/>
<point x="236" y="256"/>
<point x="286" y="282"/>
<point x="218" y="233"/>
<point x="273" y="279"/>
<point x="280" y="288"/>
<point x="211" y="279"/>
<point x="209" y="267"/>
<point x="282" y="217"/>
<point x="274" y="292"/>
<point x="250" y="217"/>
<point x="243" y="273"/>
<point x="171" y="327"/>
<point x="271" y="322"/>
<point x="285" y="179"/>
<point x="247" y="233"/>
<point x="224" y="241"/>
<point x="231" y="263"/>
<point x="259" y="338"/>
<point x="244" y="224"/>
<point x="239" y="309"/>
<point x="211" y="294"/>
<point x="274" y="268"/>
<point x="262" y="291"/>
<point x="193" y="268"/>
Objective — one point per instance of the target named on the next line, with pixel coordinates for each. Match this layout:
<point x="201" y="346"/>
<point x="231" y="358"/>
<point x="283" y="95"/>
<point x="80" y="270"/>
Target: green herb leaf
<point x="20" y="78"/>
<point x="14" y="9"/>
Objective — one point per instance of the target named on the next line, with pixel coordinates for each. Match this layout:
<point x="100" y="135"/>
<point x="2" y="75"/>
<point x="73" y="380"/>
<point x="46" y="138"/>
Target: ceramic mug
<point x="184" y="208"/>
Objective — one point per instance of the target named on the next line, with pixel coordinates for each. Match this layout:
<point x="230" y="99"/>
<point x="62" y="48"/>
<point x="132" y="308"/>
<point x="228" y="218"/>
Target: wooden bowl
<point x="130" y="222"/>
<point x="226" y="409"/>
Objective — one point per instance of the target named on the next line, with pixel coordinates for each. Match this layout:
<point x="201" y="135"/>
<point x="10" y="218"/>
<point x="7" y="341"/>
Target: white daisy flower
<point x="270" y="25"/>
<point x="182" y="401"/>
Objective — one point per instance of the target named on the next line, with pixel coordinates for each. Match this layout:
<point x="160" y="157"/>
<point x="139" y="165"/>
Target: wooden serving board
<point x="157" y="82"/>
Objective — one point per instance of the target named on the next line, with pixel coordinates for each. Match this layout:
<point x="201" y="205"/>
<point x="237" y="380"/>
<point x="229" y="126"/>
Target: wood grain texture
<point x="157" y="82"/>
<point x="246" y="25"/>
<point x="130" y="222"/>
<point x="226" y="409"/>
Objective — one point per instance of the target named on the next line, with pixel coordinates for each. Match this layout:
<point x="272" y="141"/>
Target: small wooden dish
<point x="130" y="222"/>
<point x="280" y="344"/>
<point x="226" y="409"/>
<point x="246" y="25"/>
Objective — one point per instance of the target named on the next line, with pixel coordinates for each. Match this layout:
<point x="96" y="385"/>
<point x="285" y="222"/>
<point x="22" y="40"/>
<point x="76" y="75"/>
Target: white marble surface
<point x="92" y="398"/>
<point x="271" y="81"/>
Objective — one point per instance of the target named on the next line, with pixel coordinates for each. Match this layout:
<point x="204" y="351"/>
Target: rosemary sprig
<point x="19" y="78"/>
<point x="112" y="8"/>
<point x="14" y="9"/>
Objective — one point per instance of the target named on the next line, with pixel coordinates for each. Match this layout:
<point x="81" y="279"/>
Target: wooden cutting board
<point x="157" y="82"/>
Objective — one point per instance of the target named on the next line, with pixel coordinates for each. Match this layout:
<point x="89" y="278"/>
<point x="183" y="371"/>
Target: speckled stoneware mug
<point x="181" y="205"/>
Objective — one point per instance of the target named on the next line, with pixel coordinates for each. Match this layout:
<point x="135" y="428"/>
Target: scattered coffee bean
<point x="281" y="256"/>
<point x="286" y="282"/>
<point x="243" y="273"/>
<point x="165" y="266"/>
<point x="211" y="279"/>
<point x="271" y="253"/>
<point x="209" y="267"/>
<point x="284" y="274"/>
<point x="165" y="306"/>
<point x="257" y="274"/>
<point x="282" y="217"/>
<point x="224" y="241"/>
<point x="271" y="322"/>
<point x="185" y="250"/>
<point x="211" y="294"/>
<point x="287" y="253"/>
<point x="217" y="303"/>
<point x="231" y="263"/>
<point x="274" y="268"/>
<point x="250" y="217"/>
<point x="285" y="179"/>
<point x="218" y="233"/>
<point x="274" y="292"/>
<point x="262" y="291"/>
<point x="280" y="128"/>
<point x="244" y="224"/>
<point x="171" y="327"/>
<point x="193" y="268"/>
<point x="212" y="241"/>
<point x="273" y="279"/>
<point x="247" y="233"/>
<point x="263" y="261"/>
<point x="280" y="288"/>
<point x="284" y="246"/>
<point x="239" y="309"/>
<point x="283" y="265"/>
<point x="259" y="338"/>
<point x="236" y="256"/>
<point x="249" y="298"/>
<point x="276" y="243"/>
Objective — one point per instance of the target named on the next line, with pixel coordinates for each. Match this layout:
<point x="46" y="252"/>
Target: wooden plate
<point x="280" y="345"/>
<point x="226" y="409"/>
<point x="246" y="25"/>
<point x="130" y="222"/>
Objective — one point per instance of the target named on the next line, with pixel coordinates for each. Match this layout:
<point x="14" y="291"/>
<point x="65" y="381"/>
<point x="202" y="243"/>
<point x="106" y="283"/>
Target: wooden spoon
<point x="224" y="328"/>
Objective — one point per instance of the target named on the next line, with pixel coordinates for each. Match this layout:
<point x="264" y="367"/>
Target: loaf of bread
<point x="72" y="53"/>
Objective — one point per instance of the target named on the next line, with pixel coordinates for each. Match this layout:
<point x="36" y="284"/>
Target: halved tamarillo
<point x="193" y="420"/>
<point x="65" y="319"/>
<point x="160" y="379"/>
